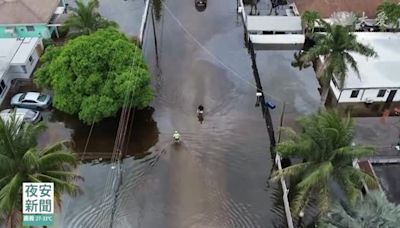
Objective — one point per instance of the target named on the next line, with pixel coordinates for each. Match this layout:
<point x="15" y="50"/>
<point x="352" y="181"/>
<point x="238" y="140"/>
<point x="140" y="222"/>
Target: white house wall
<point x="366" y="95"/>
<point x="16" y="72"/>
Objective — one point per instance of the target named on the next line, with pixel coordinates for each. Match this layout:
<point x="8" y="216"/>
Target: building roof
<point x="327" y="7"/>
<point x="278" y="39"/>
<point x="15" y="51"/>
<point x="24" y="50"/>
<point x="274" y="23"/>
<point x="27" y="11"/>
<point x="379" y="72"/>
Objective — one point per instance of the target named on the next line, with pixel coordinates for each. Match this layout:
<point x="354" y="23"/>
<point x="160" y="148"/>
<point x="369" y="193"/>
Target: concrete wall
<point x="22" y="31"/>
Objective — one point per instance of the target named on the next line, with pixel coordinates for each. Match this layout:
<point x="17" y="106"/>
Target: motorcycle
<point x="177" y="137"/>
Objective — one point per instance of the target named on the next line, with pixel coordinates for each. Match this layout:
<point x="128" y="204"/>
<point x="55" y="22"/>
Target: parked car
<point x="22" y="114"/>
<point x="32" y="100"/>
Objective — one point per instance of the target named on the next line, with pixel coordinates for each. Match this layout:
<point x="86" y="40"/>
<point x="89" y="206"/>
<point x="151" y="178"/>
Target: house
<point x="272" y="32"/>
<point x="275" y="32"/>
<point x="327" y="8"/>
<point x="31" y="18"/>
<point x="378" y="80"/>
<point x="18" y="59"/>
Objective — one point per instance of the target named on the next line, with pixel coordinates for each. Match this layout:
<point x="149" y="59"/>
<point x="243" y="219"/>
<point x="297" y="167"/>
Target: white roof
<point x="32" y="96"/>
<point x="278" y="39"/>
<point x="274" y="23"/>
<point x="15" y="51"/>
<point x="380" y="72"/>
<point x="24" y="51"/>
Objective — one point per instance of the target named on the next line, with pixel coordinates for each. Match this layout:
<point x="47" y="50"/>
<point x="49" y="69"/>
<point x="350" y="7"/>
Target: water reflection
<point x="143" y="133"/>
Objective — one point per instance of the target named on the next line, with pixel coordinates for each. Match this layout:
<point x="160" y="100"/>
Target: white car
<point x="21" y="114"/>
<point x="32" y="100"/>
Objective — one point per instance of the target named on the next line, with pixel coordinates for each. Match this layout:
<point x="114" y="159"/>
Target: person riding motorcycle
<point x="176" y="136"/>
<point x="200" y="109"/>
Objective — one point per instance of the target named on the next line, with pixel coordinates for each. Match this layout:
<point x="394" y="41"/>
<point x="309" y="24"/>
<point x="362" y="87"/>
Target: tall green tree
<point x="325" y="147"/>
<point x="374" y="210"/>
<point x="335" y="47"/>
<point x="95" y="75"/>
<point x="85" y="19"/>
<point x="22" y="161"/>
<point x="388" y="14"/>
<point x="309" y="19"/>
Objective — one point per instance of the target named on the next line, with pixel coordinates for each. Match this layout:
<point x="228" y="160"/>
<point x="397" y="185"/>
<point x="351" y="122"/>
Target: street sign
<point x="37" y="204"/>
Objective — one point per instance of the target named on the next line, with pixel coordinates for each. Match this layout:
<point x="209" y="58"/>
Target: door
<point x="389" y="99"/>
<point x="391" y="96"/>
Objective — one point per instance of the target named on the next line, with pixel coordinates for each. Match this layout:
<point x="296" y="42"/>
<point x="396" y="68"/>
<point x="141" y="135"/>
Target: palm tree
<point x="327" y="154"/>
<point x="372" y="211"/>
<point x="334" y="47"/>
<point x="22" y="161"/>
<point x="309" y="19"/>
<point x="298" y="61"/>
<point x="388" y="14"/>
<point x="85" y="19"/>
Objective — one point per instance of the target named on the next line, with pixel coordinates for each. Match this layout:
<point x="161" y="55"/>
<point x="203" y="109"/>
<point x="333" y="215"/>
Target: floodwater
<point x="219" y="175"/>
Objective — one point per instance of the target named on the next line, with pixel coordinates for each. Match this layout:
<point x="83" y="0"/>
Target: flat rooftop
<point x="327" y="7"/>
<point x="15" y="51"/>
<point x="274" y="23"/>
<point x="379" y="72"/>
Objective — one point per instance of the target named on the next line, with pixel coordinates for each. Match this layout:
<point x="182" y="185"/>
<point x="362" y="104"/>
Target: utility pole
<point x="154" y="33"/>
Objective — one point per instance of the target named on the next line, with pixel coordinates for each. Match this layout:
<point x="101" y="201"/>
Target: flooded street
<point x="219" y="175"/>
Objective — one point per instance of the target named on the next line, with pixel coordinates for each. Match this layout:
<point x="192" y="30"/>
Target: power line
<point x="235" y="73"/>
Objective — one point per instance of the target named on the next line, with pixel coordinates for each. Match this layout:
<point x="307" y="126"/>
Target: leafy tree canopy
<point x="21" y="160"/>
<point x="92" y="75"/>
<point x="85" y="19"/>
<point x="325" y="146"/>
<point x="388" y="14"/>
<point x="374" y="210"/>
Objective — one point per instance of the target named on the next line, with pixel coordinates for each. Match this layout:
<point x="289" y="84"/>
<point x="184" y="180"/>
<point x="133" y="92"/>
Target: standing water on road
<point x="218" y="176"/>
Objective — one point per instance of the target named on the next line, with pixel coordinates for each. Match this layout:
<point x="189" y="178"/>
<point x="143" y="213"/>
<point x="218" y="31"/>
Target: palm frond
<point x="290" y="171"/>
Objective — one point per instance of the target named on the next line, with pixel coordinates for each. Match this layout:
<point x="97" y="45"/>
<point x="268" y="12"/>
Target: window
<point x="24" y="69"/>
<point x="29" y="101"/>
<point x="30" y="28"/>
<point x="42" y="97"/>
<point x="354" y="93"/>
<point x="30" y="59"/>
<point x="381" y="92"/>
<point x="22" y="97"/>
<point x="2" y="87"/>
<point x="335" y="82"/>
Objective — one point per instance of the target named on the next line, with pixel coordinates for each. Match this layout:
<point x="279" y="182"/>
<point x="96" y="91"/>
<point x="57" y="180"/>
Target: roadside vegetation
<point x="325" y="145"/>
<point x="388" y="15"/>
<point x="85" y="19"/>
<point x="91" y="75"/>
<point x="21" y="160"/>
<point x="327" y="154"/>
<point x="373" y="210"/>
<point x="330" y="53"/>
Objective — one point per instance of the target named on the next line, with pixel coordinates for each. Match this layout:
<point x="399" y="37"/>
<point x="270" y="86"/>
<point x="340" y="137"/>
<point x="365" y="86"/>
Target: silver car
<point x="32" y="100"/>
<point x="21" y="114"/>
